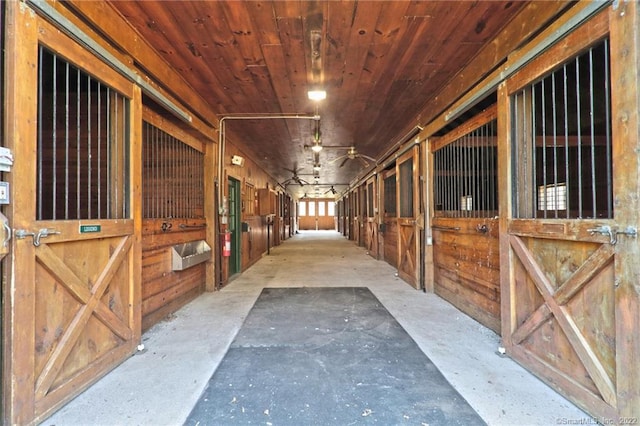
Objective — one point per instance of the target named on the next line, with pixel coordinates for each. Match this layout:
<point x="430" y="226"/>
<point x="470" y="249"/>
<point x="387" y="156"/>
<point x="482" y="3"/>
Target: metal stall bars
<point x="173" y="177"/>
<point x="465" y="173"/>
<point x="82" y="166"/>
<point x="565" y="119"/>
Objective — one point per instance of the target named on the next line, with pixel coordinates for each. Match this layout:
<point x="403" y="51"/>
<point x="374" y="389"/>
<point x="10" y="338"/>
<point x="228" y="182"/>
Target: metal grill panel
<point x="173" y="176"/>
<point x="82" y="165"/>
<point x="465" y="175"/>
<point x="562" y="135"/>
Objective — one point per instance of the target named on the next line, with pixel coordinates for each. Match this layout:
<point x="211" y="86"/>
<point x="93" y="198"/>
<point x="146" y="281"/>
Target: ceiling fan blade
<point x="364" y="162"/>
<point x="337" y="159"/>
<point x="344" y="161"/>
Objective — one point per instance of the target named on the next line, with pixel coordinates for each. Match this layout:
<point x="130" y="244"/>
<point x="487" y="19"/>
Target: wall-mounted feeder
<point x="186" y="255"/>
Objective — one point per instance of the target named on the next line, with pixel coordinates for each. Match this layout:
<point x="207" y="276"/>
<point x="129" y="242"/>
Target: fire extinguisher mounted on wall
<point x="226" y="243"/>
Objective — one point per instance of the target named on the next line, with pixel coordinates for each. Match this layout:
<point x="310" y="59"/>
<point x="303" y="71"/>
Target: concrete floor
<point x="160" y="385"/>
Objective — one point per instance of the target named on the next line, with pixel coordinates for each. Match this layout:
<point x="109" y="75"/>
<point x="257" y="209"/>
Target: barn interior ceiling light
<point x="317" y="95"/>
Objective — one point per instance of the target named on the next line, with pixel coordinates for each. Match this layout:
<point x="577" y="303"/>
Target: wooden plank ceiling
<point x="380" y="62"/>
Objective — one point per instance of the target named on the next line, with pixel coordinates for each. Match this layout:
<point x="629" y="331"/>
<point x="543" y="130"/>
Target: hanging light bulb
<point x="316" y="167"/>
<point x="316" y="147"/>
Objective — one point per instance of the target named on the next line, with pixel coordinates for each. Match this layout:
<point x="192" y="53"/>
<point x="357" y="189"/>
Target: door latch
<point x="42" y="233"/>
<point x="613" y="232"/>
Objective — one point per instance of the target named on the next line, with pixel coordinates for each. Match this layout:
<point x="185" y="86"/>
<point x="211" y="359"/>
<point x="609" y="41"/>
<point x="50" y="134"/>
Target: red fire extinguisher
<point x="226" y="244"/>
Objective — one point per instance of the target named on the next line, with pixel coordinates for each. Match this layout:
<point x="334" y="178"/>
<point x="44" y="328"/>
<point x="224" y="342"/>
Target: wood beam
<point x="625" y="51"/>
<point x="21" y="76"/>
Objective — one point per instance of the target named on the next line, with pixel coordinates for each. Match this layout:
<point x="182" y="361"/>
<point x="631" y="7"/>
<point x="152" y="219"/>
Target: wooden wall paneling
<point x="467" y="267"/>
<point x="164" y="291"/>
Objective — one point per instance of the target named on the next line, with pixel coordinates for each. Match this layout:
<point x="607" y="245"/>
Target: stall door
<point x="371" y="219"/>
<point x="389" y="234"/>
<point x="74" y="310"/>
<point x="569" y="317"/>
<point x="408" y="211"/>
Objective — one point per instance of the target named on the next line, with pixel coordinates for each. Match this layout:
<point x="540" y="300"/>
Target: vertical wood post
<point x="505" y="214"/>
<point x="211" y="215"/>
<point x="625" y="54"/>
<point x="21" y="66"/>
<point x="135" y="254"/>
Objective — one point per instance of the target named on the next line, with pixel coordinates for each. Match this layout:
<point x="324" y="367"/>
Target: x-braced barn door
<point x="371" y="217"/>
<point x="408" y="208"/>
<point x="564" y="307"/>
<point x="74" y="272"/>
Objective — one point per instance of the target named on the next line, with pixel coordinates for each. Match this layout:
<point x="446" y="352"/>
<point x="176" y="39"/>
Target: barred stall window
<point x="562" y="135"/>
<point x="83" y="141"/>
<point x="406" y="188"/>
<point x="173" y="176"/>
<point x="465" y="170"/>
<point x="249" y="200"/>
<point x="390" y="195"/>
<point x="370" y="195"/>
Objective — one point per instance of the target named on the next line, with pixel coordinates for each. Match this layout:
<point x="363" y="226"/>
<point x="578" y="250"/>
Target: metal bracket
<point x="42" y="233"/>
<point x="614" y="232"/>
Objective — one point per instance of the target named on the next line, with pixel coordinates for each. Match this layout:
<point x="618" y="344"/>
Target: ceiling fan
<point x="352" y="154"/>
<point x="294" y="178"/>
<point x="331" y="190"/>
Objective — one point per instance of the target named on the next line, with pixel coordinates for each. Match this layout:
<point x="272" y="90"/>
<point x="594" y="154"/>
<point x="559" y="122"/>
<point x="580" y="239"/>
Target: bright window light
<point x="552" y="197"/>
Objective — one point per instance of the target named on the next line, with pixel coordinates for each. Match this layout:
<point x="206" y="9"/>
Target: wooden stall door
<point x="568" y="312"/>
<point x="389" y="232"/>
<point x="75" y="311"/>
<point x="371" y="221"/>
<point x="407" y="180"/>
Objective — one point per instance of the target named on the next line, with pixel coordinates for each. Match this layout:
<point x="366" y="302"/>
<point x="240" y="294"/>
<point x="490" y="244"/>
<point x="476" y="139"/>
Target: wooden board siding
<point x="253" y="243"/>
<point x="390" y="235"/>
<point x="467" y="267"/>
<point x="165" y="291"/>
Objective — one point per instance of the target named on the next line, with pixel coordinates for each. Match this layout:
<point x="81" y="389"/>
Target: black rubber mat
<point x="327" y="356"/>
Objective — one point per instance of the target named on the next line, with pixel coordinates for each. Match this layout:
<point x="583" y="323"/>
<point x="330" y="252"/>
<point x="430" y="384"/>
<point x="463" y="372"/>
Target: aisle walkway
<point x="160" y="385"/>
